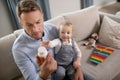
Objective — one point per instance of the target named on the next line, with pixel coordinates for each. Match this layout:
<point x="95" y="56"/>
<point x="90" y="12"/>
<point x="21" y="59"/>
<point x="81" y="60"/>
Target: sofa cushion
<point x="104" y="70"/>
<point x="8" y="68"/>
<point x="110" y="33"/>
<point x="85" y="21"/>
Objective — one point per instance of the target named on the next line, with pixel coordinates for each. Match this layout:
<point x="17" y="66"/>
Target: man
<point x="26" y="45"/>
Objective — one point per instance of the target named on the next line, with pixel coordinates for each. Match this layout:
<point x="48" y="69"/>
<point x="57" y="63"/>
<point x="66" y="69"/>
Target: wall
<point x="58" y="7"/>
<point x="62" y="6"/>
<point x="5" y="21"/>
<point x="100" y="3"/>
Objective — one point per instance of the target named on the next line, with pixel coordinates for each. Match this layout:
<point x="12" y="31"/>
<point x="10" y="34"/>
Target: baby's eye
<point x="62" y="32"/>
<point x="68" y="32"/>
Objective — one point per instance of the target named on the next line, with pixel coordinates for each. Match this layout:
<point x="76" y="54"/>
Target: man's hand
<point x="78" y="74"/>
<point x="47" y="67"/>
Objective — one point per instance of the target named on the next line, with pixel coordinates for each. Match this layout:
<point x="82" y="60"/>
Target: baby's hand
<point x="76" y="64"/>
<point x="45" y="43"/>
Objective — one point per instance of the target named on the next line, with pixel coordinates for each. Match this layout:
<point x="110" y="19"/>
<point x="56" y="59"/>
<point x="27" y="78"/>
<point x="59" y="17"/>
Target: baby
<point x="67" y="53"/>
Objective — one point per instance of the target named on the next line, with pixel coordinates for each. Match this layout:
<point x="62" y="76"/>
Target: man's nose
<point x="35" y="28"/>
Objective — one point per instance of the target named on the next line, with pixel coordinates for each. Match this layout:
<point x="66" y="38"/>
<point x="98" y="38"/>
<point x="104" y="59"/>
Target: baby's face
<point x="65" y="33"/>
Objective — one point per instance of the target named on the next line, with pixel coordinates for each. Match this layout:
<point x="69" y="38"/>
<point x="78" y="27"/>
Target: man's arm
<point x="29" y="69"/>
<point x="26" y="66"/>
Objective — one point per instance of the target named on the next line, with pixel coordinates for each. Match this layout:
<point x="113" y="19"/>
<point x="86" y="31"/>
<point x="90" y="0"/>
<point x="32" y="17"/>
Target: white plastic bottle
<point x="42" y="53"/>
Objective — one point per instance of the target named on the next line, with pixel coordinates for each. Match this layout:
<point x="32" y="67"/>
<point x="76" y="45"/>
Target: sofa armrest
<point x="8" y="68"/>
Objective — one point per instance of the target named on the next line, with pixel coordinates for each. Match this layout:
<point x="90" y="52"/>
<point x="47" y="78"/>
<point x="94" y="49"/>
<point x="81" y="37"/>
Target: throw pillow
<point x="109" y="34"/>
<point x="118" y="14"/>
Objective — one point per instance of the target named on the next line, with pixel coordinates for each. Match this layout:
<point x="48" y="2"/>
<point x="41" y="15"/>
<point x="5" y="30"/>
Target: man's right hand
<point x="47" y="67"/>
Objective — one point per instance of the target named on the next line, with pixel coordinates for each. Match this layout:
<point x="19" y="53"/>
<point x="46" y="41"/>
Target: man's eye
<point x="37" y="22"/>
<point x="29" y="25"/>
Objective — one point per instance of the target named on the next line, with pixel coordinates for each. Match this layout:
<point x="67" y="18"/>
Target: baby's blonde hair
<point x="64" y="24"/>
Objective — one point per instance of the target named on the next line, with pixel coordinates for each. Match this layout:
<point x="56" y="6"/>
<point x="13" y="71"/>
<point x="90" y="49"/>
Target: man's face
<point x="32" y="22"/>
<point x="65" y="33"/>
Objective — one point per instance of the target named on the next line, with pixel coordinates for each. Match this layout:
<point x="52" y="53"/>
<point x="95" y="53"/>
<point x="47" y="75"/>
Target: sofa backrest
<point x="85" y="22"/>
<point x="56" y="20"/>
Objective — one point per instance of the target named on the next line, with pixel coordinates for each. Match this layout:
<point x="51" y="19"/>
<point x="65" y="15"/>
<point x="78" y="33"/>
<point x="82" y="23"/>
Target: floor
<point x="112" y="9"/>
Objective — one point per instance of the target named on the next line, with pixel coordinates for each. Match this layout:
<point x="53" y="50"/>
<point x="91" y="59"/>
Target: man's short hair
<point x="27" y="6"/>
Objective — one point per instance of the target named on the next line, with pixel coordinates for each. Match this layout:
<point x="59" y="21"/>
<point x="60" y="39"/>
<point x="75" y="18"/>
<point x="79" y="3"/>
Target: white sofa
<point x="85" y="21"/>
